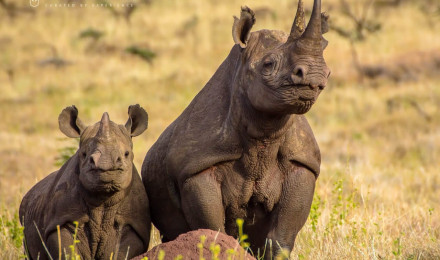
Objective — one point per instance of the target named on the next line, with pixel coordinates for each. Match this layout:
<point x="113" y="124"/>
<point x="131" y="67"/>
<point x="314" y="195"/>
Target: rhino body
<point x="243" y="148"/>
<point x="98" y="187"/>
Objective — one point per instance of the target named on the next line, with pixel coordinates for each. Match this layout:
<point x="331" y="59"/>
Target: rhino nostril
<point x="118" y="160"/>
<point x="299" y="72"/>
<point x="94" y="158"/>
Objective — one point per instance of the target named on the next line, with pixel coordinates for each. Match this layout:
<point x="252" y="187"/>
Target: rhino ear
<point x="137" y="121"/>
<point x="242" y="27"/>
<point x="324" y="28"/>
<point x="69" y="122"/>
<point x="324" y="22"/>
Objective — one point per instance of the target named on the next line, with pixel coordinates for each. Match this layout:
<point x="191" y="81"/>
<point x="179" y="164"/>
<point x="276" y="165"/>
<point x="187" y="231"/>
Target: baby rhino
<point x="98" y="188"/>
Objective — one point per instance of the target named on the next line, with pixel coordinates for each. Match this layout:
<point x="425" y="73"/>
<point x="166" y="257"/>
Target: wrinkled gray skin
<point x="242" y="148"/>
<point x="99" y="187"/>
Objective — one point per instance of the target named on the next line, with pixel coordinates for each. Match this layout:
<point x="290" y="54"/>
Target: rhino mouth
<point x="306" y="91"/>
<point x="302" y="92"/>
<point x="107" y="176"/>
<point x="300" y="96"/>
<point x="103" y="181"/>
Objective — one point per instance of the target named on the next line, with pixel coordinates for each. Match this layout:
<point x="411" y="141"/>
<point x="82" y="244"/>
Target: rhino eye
<point x="127" y="153"/>
<point x="84" y="154"/>
<point x="268" y="64"/>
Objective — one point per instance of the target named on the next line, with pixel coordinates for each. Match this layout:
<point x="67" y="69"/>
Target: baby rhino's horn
<point x="104" y="127"/>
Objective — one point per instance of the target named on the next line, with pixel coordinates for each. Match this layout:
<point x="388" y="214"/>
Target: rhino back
<point x="201" y="135"/>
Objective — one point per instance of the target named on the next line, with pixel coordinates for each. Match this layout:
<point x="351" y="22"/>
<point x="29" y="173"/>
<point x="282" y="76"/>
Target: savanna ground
<point x="377" y="122"/>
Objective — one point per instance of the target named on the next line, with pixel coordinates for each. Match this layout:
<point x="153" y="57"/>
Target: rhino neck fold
<point x="254" y="124"/>
<point x="106" y="200"/>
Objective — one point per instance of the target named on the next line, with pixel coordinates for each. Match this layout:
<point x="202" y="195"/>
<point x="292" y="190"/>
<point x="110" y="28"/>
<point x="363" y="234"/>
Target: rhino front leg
<point x="81" y="249"/>
<point x="54" y="247"/>
<point x="292" y="211"/>
<point x="202" y="201"/>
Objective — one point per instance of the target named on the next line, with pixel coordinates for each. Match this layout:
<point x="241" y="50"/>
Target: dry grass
<point x="378" y="195"/>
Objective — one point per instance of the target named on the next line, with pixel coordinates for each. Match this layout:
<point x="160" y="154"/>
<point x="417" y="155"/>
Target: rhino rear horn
<point x="242" y="27"/>
<point x="69" y="122"/>
<point x="299" y="24"/>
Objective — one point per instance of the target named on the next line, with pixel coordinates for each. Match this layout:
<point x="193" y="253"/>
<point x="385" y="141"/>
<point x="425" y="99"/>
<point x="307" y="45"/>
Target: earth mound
<point x="186" y="245"/>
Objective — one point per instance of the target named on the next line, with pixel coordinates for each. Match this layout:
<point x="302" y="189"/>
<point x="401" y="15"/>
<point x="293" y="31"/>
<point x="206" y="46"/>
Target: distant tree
<point x="363" y="24"/>
<point x="12" y="10"/>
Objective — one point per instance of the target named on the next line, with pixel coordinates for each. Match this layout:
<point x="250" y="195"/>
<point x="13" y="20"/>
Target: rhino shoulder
<point x="35" y="199"/>
<point x="301" y="146"/>
<point x="63" y="201"/>
<point x="192" y="150"/>
<point x="134" y="209"/>
<point x="201" y="136"/>
<point x="40" y="207"/>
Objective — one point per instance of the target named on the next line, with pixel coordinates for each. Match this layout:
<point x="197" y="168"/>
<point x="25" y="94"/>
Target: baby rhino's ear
<point x="69" y="122"/>
<point x="137" y="121"/>
<point x="241" y="29"/>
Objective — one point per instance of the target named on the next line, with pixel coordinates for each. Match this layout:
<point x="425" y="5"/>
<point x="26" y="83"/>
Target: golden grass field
<point x="378" y="195"/>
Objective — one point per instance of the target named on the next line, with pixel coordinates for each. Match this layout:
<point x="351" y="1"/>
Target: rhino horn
<point x="104" y="127"/>
<point x="299" y="23"/>
<point x="313" y="30"/>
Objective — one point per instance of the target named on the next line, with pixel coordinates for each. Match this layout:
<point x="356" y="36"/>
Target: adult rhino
<point x="99" y="187"/>
<point x="242" y="148"/>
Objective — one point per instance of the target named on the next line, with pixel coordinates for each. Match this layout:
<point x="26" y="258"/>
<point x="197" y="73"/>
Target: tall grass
<point x="11" y="236"/>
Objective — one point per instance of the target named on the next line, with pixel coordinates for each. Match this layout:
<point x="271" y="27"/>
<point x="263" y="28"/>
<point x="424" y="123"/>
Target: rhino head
<point x="105" y="149"/>
<point x="280" y="73"/>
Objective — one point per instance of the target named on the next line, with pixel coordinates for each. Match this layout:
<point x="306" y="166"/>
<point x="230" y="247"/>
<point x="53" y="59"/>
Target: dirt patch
<point x="186" y="245"/>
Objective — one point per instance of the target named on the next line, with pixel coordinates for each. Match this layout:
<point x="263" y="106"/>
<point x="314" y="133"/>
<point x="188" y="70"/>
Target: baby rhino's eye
<point x="127" y="153"/>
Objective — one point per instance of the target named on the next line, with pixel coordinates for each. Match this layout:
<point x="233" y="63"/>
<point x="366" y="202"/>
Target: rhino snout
<point x="94" y="159"/>
<point x="302" y="76"/>
<point x="105" y="162"/>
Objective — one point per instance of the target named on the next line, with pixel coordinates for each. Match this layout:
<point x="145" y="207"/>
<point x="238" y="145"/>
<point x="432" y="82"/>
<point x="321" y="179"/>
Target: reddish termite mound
<point x="186" y="245"/>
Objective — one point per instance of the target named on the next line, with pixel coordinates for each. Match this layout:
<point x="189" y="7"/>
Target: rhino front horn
<point x="313" y="30"/>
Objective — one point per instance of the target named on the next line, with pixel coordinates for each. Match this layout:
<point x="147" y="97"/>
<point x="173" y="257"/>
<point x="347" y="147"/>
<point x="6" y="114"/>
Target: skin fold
<point x="98" y="187"/>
